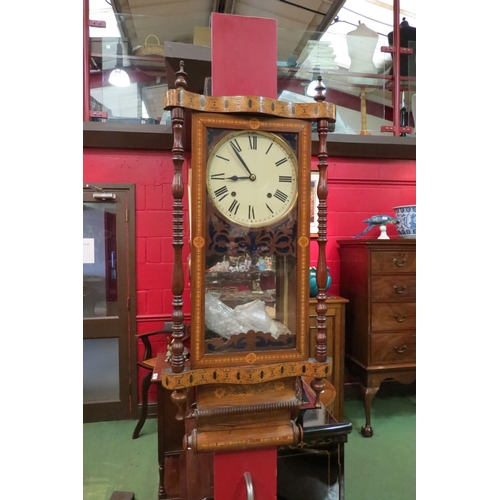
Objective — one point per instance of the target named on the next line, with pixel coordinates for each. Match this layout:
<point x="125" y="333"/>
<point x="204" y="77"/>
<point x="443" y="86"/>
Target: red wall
<point x="151" y="172"/>
<point x="356" y="190"/>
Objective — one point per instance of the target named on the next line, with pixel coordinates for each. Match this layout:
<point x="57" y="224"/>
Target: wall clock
<point x="252" y="178"/>
<point x="249" y="266"/>
<point x="250" y="239"/>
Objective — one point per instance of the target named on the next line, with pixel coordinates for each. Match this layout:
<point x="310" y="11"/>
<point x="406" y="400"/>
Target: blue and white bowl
<point x="407" y="217"/>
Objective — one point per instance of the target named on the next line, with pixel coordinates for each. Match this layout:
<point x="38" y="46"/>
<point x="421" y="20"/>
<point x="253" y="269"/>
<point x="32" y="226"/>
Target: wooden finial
<point x="180" y="399"/>
<point x="181" y="77"/>
<point x="320" y="90"/>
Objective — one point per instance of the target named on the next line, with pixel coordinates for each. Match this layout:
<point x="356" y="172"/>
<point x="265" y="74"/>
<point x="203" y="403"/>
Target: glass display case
<point x="354" y="55"/>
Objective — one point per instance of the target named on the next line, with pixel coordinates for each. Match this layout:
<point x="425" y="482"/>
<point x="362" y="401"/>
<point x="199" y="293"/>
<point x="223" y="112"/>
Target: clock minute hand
<point x="240" y="158"/>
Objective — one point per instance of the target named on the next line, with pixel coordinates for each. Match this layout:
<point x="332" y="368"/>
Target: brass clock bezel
<point x="201" y="122"/>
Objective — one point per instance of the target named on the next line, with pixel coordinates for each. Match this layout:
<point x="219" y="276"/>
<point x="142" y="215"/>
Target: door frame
<point x="126" y="408"/>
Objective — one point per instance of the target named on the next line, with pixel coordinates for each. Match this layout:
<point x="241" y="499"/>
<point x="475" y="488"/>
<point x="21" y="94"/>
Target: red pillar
<point x="244" y="61"/>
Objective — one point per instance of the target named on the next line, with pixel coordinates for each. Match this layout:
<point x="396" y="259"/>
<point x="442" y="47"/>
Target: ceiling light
<point x="119" y="76"/>
<point x="311" y="88"/>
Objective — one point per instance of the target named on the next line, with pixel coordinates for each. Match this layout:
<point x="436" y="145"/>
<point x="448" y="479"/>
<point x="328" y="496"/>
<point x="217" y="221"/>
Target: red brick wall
<point x="358" y="189"/>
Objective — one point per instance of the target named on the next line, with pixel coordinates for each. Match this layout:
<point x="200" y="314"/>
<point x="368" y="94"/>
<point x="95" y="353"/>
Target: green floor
<point x="382" y="467"/>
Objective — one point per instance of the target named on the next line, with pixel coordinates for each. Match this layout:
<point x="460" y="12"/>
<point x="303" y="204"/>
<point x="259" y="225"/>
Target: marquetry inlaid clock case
<point x="249" y="237"/>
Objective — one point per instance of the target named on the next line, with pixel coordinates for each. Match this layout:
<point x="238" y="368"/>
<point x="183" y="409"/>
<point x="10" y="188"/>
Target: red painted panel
<point x="229" y="482"/>
<point x="244" y="56"/>
<point x="142" y="301"/>
<point x="166" y="247"/>
<point x="140" y="197"/>
<point x="140" y="250"/>
<point x="126" y="166"/>
<point x="153" y="222"/>
<point x="154" y="249"/>
<point x="154" y="197"/>
<point x="151" y="276"/>
<point x="155" y="301"/>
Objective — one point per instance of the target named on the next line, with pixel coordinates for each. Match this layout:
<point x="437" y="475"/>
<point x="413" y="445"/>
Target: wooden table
<point x="335" y="342"/>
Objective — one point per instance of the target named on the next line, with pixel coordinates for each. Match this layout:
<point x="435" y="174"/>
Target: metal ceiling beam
<point x="328" y="18"/>
<point x="122" y="25"/>
<point x="302" y="7"/>
<point x="330" y="15"/>
<point x="224" y="6"/>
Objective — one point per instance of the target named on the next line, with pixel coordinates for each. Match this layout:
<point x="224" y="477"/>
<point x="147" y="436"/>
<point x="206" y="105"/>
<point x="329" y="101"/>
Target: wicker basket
<point x="150" y="49"/>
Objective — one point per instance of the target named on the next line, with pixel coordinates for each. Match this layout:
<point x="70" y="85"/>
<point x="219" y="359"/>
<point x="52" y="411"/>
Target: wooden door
<point x="109" y="350"/>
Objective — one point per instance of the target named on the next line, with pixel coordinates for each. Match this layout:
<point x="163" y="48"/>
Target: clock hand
<point x="235" y="178"/>
<point x="241" y="159"/>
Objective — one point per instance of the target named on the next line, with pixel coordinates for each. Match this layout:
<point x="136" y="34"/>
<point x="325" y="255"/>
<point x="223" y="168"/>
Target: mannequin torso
<point x="361" y="44"/>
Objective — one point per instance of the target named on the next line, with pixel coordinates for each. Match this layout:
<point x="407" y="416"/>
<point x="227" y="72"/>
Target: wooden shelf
<point x="159" y="138"/>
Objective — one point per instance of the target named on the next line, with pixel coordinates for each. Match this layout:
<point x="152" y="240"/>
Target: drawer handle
<point x="400" y="350"/>
<point x="400" y="320"/>
<point x="400" y="290"/>
<point x="403" y="262"/>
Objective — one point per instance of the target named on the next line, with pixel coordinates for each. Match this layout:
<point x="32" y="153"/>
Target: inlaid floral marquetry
<point x="243" y="375"/>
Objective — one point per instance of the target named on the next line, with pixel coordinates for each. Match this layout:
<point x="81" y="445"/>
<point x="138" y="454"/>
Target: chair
<point x="148" y="362"/>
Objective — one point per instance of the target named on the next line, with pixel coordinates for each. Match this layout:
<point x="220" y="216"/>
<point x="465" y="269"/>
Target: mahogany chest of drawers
<point x="378" y="277"/>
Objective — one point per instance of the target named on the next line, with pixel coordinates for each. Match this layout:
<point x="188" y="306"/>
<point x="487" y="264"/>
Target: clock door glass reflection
<point x="250" y="283"/>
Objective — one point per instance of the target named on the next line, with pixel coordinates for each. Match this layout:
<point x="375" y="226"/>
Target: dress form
<point x="407" y="38"/>
<point x="361" y="45"/>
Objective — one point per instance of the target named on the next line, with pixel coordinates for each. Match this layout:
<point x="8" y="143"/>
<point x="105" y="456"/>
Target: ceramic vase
<point x="313" y="287"/>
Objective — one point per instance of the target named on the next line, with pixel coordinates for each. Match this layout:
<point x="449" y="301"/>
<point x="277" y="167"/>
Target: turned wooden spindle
<point x="318" y="385"/>
<point x="321" y="274"/>
<point x="177" y="348"/>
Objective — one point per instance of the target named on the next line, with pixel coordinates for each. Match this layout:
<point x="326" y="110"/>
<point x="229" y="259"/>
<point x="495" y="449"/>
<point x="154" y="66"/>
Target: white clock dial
<point x="252" y="178"/>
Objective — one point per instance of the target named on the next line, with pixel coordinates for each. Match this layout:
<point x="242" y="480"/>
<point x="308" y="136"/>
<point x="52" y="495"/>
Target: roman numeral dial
<point x="252" y="178"/>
